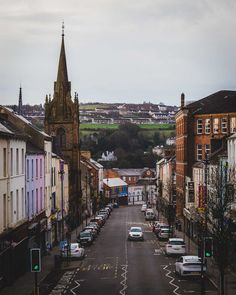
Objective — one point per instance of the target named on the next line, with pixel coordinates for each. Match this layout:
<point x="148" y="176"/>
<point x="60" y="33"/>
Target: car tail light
<point x="183" y="246"/>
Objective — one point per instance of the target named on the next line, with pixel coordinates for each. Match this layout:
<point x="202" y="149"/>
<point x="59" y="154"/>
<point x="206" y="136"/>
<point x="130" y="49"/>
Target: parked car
<point x="97" y="220"/>
<point x="135" y="233"/>
<point x="95" y="225"/>
<point x="115" y="205"/>
<point x="75" y="251"/>
<point x="189" y="266"/>
<point x="144" y="208"/>
<point x="159" y="226"/>
<point x="93" y="230"/>
<point x="85" y="238"/>
<point x="175" y="246"/>
<point x="164" y="233"/>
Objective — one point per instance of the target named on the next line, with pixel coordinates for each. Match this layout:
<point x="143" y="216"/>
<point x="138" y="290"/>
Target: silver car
<point x="135" y="233"/>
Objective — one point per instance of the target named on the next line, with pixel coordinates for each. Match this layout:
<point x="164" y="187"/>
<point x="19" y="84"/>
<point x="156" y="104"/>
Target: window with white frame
<point x="233" y="124"/>
<point x="32" y="169"/>
<point x="22" y="161"/>
<point x="199" y="126"/>
<point x="17" y="204"/>
<point x="41" y="168"/>
<point x="27" y="170"/>
<point x="17" y="161"/>
<point x="216" y="125"/>
<point x="4" y="162"/>
<point x="11" y="160"/>
<point x="207" y="150"/>
<point x="224" y="126"/>
<point x="4" y="210"/>
<point x="36" y="169"/>
<point x="199" y="152"/>
<point x="207" y="126"/>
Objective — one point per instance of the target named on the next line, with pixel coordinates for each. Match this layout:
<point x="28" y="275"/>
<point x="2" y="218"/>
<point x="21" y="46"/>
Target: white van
<point x="150" y="215"/>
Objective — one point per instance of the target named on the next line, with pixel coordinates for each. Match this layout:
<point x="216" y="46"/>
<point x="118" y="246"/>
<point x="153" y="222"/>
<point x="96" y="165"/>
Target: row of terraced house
<point x="199" y="173"/>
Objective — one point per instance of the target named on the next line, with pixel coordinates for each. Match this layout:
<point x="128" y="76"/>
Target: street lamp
<point x="204" y="231"/>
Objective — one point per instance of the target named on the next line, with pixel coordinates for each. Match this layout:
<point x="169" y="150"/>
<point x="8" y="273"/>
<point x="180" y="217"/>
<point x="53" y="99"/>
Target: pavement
<point x="212" y="269"/>
<point x="24" y="285"/>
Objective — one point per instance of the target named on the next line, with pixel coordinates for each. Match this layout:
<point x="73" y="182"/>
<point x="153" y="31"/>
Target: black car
<point x="85" y="238"/>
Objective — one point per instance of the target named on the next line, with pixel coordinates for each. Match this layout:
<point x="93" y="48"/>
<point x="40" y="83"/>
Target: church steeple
<point x="20" y="102"/>
<point x="62" y="86"/>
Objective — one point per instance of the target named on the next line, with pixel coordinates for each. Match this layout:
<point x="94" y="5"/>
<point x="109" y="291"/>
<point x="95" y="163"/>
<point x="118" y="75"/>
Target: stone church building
<point x="62" y="123"/>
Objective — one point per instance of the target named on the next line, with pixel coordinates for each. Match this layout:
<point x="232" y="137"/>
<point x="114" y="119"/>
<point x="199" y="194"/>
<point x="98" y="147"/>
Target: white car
<point x="75" y="251"/>
<point x="189" y="266"/>
<point x="175" y="246"/>
<point x="144" y="208"/>
<point x="135" y="233"/>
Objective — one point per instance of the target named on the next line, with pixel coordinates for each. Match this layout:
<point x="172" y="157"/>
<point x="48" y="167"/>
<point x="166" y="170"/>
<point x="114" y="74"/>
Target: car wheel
<point x="180" y="273"/>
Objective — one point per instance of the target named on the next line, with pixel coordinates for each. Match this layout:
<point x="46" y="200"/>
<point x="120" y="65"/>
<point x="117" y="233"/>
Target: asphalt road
<point x="114" y="265"/>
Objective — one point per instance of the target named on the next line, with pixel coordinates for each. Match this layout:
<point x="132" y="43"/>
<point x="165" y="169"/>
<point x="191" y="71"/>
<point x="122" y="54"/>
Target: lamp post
<point x="86" y="200"/>
<point x="62" y="172"/>
<point x="204" y="230"/>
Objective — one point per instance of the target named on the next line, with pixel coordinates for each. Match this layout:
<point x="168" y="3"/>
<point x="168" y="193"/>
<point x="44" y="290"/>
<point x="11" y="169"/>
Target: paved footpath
<point x="24" y="285"/>
<point x="212" y="269"/>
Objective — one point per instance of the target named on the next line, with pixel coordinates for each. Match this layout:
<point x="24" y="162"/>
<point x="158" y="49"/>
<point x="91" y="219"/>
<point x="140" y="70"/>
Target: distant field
<point x="94" y="106"/>
<point x="115" y="126"/>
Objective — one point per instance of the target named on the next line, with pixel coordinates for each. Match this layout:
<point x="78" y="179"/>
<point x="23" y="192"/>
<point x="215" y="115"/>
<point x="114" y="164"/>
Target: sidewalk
<point x="25" y="284"/>
<point x="212" y="269"/>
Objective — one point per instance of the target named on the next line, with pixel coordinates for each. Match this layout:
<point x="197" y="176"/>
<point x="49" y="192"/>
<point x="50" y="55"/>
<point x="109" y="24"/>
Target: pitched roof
<point x="223" y="101"/>
<point x="112" y="182"/>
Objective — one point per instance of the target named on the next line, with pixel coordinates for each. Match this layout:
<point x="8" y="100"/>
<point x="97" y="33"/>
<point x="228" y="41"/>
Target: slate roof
<point x="223" y="101"/>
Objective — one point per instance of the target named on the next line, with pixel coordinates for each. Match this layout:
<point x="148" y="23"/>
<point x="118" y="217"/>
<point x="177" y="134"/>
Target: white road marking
<point x="171" y="281"/>
<point x="77" y="286"/>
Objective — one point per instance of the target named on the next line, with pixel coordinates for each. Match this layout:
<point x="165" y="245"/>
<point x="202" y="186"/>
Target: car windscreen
<point x="165" y="230"/>
<point x="176" y="242"/>
<point x="136" y="230"/>
<point x="85" y="235"/>
<point x="73" y="247"/>
<point x="192" y="264"/>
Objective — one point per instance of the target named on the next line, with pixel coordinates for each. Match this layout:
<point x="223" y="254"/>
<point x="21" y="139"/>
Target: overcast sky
<point x="118" y="50"/>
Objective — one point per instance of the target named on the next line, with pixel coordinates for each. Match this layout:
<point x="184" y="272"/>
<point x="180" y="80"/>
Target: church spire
<point x="20" y="102"/>
<point x="62" y="85"/>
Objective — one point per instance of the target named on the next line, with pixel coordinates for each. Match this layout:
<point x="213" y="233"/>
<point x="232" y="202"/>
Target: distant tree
<point x="131" y="129"/>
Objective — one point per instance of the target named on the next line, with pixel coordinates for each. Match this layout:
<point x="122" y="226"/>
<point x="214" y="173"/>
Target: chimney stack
<point x="182" y="100"/>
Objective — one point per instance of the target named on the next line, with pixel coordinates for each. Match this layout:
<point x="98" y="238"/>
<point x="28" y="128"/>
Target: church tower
<point x="62" y="123"/>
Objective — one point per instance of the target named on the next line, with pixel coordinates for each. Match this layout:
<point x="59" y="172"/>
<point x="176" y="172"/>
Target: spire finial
<point x="63" y="27"/>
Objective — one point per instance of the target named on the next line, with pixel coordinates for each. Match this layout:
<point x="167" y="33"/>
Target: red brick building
<point x="201" y="128"/>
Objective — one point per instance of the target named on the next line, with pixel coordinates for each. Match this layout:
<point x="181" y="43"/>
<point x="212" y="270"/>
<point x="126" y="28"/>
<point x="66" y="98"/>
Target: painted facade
<point x="12" y="180"/>
<point x="34" y="184"/>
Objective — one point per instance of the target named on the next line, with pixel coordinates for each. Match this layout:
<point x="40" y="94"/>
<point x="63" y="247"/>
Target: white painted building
<point x="12" y="179"/>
